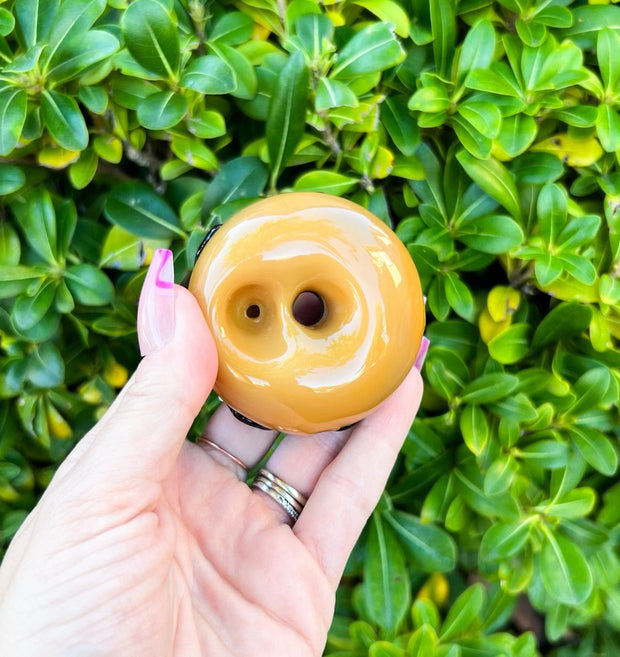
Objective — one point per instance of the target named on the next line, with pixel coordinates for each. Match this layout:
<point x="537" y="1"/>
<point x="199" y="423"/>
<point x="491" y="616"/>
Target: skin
<point x="146" y="544"/>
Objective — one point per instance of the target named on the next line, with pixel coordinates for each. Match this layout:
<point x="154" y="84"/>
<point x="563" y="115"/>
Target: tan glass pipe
<point x="326" y="359"/>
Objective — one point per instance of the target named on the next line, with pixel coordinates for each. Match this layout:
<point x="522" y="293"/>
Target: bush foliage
<point x="487" y="133"/>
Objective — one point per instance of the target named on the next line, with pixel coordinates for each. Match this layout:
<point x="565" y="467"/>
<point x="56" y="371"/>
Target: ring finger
<point x="245" y="443"/>
<point x="299" y="461"/>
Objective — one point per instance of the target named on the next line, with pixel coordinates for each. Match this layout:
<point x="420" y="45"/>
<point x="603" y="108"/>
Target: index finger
<point x="350" y="487"/>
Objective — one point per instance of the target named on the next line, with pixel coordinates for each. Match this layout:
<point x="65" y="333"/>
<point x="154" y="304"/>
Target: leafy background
<point x="486" y="133"/>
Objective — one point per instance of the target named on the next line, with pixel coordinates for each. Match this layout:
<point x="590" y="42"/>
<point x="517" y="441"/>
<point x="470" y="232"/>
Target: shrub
<point x="485" y="132"/>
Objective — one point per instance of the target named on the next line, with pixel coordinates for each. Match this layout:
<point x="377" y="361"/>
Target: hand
<point x="146" y="544"/>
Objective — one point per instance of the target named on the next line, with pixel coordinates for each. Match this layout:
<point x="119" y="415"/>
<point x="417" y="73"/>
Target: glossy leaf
<point x="494" y="179"/>
<point x="138" y="209"/>
<point x="565" y="572"/>
<point x="287" y="119"/>
<point x="244" y="177"/>
<point x="89" y="285"/>
<point x="431" y="548"/>
<point x="463" y="614"/>
<point x="209" y="75"/>
<point x="13" y="103"/>
<point x="63" y="120"/>
<point x="386" y="586"/>
<point x="328" y="182"/>
<point x="152" y="37"/>
<point x="162" y="110"/>
<point x="372" y="49"/>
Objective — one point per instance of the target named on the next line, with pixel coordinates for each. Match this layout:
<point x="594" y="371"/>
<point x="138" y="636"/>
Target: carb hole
<point x="308" y="308"/>
<point x="252" y="311"/>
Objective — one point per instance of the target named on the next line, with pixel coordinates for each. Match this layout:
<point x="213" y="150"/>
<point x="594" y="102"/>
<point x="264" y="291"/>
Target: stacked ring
<point x="289" y="498"/>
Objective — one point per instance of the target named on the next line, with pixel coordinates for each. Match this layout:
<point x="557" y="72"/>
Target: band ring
<point x="289" y="498"/>
<point x="221" y="450"/>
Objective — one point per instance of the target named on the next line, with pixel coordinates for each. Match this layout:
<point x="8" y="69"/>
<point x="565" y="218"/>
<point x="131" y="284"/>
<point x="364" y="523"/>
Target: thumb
<point x="142" y="432"/>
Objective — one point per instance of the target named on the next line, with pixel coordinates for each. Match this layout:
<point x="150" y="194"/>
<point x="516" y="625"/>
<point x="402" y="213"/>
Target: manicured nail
<point x="156" y="305"/>
<point x="419" y="359"/>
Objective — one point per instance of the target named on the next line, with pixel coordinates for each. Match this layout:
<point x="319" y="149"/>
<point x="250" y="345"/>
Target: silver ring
<point x="289" y="498"/>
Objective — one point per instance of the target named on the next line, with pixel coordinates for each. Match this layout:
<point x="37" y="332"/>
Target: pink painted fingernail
<point x="156" y="305"/>
<point x="419" y="359"/>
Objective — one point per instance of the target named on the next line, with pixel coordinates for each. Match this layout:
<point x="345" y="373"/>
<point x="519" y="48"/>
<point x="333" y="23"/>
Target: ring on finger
<point x="217" y="449"/>
<point x="288" y="497"/>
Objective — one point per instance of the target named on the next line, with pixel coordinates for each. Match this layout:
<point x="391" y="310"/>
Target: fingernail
<point x="156" y="305"/>
<point x="419" y="359"/>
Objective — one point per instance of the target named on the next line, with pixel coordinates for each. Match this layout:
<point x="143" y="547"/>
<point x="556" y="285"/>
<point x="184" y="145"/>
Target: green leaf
<point x="423" y="642"/>
<point x="63" y="120"/>
<point x="565" y="573"/>
<point x="89" y="285"/>
<point x="7" y="22"/>
<point x="575" y="504"/>
<point x="73" y="17"/>
<point x="10" y="246"/>
<point x="500" y="475"/>
<point x="125" y="251"/>
<point x="511" y="345"/>
<point x="504" y="540"/>
<point x="489" y="387"/>
<point x="328" y="182"/>
<point x="333" y="93"/>
<point x="472" y="139"/>
<point x="464" y="613"/>
<point x="566" y="320"/>
<point x="13" y="104"/>
<point x="385" y="587"/>
<point x="287" y="114"/>
<point x="595" y="448"/>
<point x="82" y="51"/>
<point x="35" y="18"/>
<point x="37" y="219"/>
<point x="30" y="310"/>
<point x="491" y="234"/>
<point x="477" y="50"/>
<point x="459" y="296"/>
<point x="12" y="178"/>
<point x="590" y="389"/>
<point x="15" y="279"/>
<point x="162" y="110"/>
<point x="194" y="153"/>
<point x="243" y="72"/>
<point x="552" y="208"/>
<point x="46" y="367"/>
<point x="516" y="135"/>
<point x="443" y="24"/>
<point x="314" y="33"/>
<point x="232" y="28"/>
<point x="400" y="125"/>
<point x="607" y="48"/>
<point x="209" y="75"/>
<point x="243" y="177"/>
<point x="549" y="454"/>
<point x="483" y="115"/>
<point x="389" y="12"/>
<point x="474" y="428"/>
<point x="138" y="209"/>
<point x="494" y="179"/>
<point x="431" y="548"/>
<point x="152" y="37"/>
<point x="374" y="48"/>
<point x="608" y="128"/>
<point x="207" y="124"/>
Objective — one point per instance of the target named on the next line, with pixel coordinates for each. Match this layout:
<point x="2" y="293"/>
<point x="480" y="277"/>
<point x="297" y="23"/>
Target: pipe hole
<point x="308" y="308"/>
<point x="252" y="311"/>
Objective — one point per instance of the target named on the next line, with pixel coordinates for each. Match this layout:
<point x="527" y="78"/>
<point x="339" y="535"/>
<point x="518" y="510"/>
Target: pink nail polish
<point x="419" y="359"/>
<point x="156" y="305"/>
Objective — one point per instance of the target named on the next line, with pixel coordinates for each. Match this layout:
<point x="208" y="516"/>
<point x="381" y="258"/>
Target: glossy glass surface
<point x="322" y="369"/>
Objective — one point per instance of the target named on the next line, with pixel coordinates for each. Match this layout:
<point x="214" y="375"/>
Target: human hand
<point x="146" y="544"/>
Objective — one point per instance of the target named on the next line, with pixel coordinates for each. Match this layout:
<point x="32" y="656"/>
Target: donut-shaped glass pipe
<point x="316" y="308"/>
